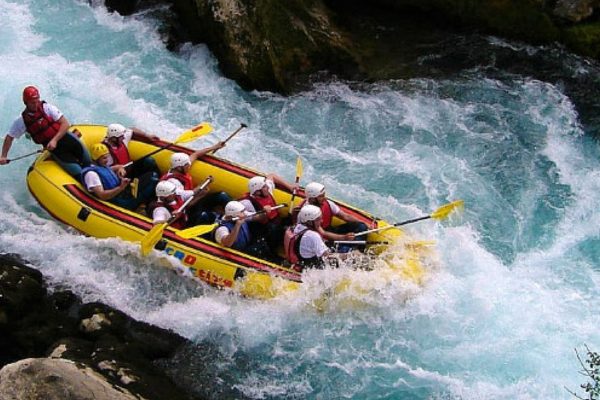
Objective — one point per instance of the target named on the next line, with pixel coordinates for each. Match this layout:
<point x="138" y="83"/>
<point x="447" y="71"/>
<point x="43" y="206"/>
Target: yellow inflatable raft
<point x="68" y="201"/>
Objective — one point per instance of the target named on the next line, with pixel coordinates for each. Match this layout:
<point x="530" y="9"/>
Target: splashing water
<point x="510" y="291"/>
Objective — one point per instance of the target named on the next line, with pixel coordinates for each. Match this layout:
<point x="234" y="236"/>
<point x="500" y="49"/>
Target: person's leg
<point x="71" y="154"/>
<point x="127" y="202"/>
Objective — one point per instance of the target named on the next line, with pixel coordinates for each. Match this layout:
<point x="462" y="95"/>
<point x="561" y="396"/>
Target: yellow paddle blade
<point x="298" y="169"/>
<point x="194" y="133"/>
<point x="152" y="237"/>
<point x="134" y="185"/>
<point x="444" y="210"/>
<point x="196" y="231"/>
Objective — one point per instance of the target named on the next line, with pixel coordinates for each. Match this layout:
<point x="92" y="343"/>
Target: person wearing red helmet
<point x="47" y="126"/>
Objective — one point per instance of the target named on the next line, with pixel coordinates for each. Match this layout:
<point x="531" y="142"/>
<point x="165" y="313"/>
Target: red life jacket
<point x="180" y="222"/>
<point x="40" y="126"/>
<point x="259" y="203"/>
<point x="119" y="153"/>
<point x="291" y="245"/>
<point x="326" y="214"/>
<point x="185" y="179"/>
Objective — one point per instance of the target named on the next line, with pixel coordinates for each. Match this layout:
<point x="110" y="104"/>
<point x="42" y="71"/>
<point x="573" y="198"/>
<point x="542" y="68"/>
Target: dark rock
<point x="123" y="7"/>
<point x="124" y="351"/>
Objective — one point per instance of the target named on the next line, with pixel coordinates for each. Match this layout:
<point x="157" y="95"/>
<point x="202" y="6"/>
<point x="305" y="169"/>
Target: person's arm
<point x="6" y="145"/>
<point x="334" y="236"/>
<point x="197" y="197"/>
<point x="62" y="131"/>
<point x="202" y="152"/>
<point x="105" y="194"/>
<point x="141" y="133"/>
<point x="279" y="181"/>
<point x="230" y="239"/>
<point x="119" y="170"/>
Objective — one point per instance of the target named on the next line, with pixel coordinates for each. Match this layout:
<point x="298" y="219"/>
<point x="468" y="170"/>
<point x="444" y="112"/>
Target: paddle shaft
<point x="185" y="203"/>
<point x="410" y="221"/>
<point x="24" y="156"/>
<point x="277" y="207"/>
<point x="357" y="242"/>
<point x="242" y="126"/>
<point x="139" y="160"/>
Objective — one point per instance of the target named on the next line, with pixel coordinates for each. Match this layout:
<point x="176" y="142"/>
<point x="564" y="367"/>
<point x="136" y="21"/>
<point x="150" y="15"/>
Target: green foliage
<point x="591" y="370"/>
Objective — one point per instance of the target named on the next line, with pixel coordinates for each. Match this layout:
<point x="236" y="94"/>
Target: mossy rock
<point x="584" y="39"/>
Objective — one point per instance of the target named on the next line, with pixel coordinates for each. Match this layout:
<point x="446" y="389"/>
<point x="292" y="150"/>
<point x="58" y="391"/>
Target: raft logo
<point x="189" y="260"/>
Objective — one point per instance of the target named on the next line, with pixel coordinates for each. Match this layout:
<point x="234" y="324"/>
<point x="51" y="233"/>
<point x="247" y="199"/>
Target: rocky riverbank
<point x="56" y="347"/>
<point x="281" y="45"/>
<point x="288" y="46"/>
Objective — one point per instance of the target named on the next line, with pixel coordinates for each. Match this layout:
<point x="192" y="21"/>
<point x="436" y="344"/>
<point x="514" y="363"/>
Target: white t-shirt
<point x="126" y="139"/>
<point x="92" y="180"/>
<point x="311" y="243"/>
<point x="248" y="204"/>
<point x="223" y="231"/>
<point x="162" y="214"/>
<point x="18" y="127"/>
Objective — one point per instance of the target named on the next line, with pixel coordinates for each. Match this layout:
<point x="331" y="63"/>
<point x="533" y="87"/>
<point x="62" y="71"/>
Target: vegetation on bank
<point x="591" y="370"/>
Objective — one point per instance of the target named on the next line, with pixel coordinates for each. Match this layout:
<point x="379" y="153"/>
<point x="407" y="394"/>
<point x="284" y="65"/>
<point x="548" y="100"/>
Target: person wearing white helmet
<point x="181" y="163"/>
<point x="303" y="244"/>
<point x="315" y="195"/>
<point x="167" y="205"/>
<point x="260" y="198"/>
<point x="103" y="181"/>
<point x="211" y="205"/>
<point x="234" y="232"/>
<point x="117" y="140"/>
<point x="47" y="126"/>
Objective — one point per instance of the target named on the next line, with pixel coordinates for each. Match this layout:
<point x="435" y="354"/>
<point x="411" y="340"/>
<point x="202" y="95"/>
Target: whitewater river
<point x="515" y="285"/>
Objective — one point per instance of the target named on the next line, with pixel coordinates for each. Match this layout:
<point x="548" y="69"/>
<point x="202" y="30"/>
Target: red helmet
<point x="30" y="93"/>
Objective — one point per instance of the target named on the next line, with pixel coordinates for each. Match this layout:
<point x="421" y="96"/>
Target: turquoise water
<point x="515" y="282"/>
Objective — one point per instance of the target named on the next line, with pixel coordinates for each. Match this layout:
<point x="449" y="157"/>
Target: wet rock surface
<point x="101" y="343"/>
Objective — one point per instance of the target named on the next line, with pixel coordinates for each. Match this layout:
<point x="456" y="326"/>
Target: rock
<point x="56" y="379"/>
<point x="270" y="44"/>
<point x="125" y="352"/>
<point x="575" y="10"/>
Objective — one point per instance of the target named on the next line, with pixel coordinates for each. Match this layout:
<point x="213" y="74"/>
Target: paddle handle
<point x="24" y="156"/>
<point x="242" y="126"/>
<point x="410" y="221"/>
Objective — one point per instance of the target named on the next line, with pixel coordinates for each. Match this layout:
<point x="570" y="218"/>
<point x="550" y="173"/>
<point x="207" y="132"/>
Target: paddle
<point x="187" y="136"/>
<point x="199" y="230"/>
<point x="155" y="234"/>
<point x="358" y="242"/>
<point x="24" y="155"/>
<point x="298" y="176"/>
<point x="242" y="126"/>
<point x="440" y="213"/>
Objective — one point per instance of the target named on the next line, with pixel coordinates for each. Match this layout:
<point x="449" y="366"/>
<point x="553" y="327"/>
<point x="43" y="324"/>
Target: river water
<point x="515" y="285"/>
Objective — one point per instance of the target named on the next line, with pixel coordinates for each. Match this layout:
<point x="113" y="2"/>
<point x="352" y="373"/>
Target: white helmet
<point x="256" y="183"/>
<point x="314" y="189"/>
<point x="179" y="160"/>
<point x="309" y="213"/>
<point x="115" y="130"/>
<point x="233" y="208"/>
<point x="165" y="188"/>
